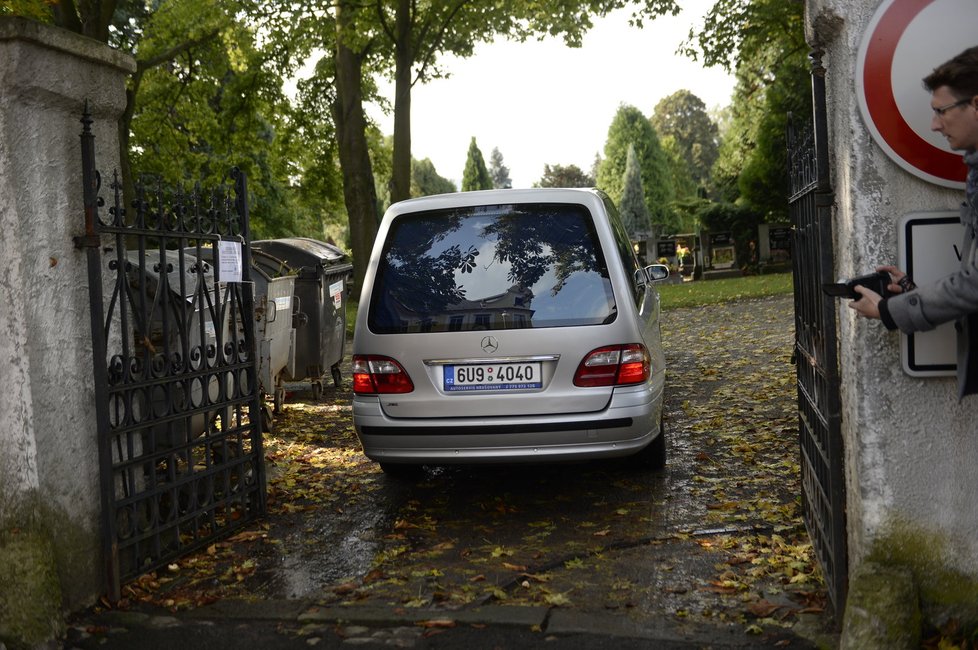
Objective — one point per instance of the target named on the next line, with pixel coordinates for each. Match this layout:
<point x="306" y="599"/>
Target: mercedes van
<point x="505" y="326"/>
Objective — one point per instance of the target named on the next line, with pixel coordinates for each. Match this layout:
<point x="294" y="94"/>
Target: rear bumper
<point x="630" y="422"/>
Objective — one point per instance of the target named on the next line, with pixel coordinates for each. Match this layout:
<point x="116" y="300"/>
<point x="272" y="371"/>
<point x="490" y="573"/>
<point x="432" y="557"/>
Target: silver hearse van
<point x="505" y="326"/>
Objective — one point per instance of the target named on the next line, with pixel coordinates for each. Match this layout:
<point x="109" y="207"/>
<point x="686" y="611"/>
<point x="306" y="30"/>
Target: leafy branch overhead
<point x="280" y="89"/>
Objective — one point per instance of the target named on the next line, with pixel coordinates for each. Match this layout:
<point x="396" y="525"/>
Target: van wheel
<point x="653" y="456"/>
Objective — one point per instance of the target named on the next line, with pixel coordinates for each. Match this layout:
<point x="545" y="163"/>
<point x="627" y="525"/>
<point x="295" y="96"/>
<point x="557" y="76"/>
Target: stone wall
<point x="48" y="450"/>
<point x="911" y="447"/>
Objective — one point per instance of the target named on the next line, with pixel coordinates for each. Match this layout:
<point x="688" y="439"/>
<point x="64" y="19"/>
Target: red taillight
<point x="615" y="365"/>
<point x="375" y="374"/>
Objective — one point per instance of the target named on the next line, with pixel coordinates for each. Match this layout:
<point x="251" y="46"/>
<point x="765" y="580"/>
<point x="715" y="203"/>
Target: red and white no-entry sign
<point x="904" y="42"/>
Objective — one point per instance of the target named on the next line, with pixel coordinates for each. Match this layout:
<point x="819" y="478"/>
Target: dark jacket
<point x="953" y="297"/>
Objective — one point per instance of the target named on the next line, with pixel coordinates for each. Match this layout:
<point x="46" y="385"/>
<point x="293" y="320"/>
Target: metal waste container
<point x="180" y="330"/>
<point x="275" y="322"/>
<point x="322" y="276"/>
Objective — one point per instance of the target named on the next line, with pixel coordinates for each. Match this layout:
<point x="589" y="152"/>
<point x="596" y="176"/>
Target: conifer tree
<point x="475" y="176"/>
<point x="634" y="211"/>
<point x="498" y="171"/>
<point x="631" y="128"/>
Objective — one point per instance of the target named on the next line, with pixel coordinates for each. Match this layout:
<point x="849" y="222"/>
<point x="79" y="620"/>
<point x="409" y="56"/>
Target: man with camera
<point x="954" y="100"/>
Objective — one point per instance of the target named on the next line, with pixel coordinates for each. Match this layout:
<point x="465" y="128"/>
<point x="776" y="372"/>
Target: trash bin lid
<point x="301" y="251"/>
<point x="170" y="267"/>
<point x="269" y="264"/>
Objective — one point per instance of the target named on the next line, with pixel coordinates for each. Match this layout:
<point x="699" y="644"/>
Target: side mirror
<point x="651" y="273"/>
<point x="657" y="272"/>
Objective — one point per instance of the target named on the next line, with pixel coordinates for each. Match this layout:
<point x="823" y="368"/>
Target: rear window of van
<point x="491" y="268"/>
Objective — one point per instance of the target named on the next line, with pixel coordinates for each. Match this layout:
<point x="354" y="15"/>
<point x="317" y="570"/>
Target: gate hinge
<point x="87" y="241"/>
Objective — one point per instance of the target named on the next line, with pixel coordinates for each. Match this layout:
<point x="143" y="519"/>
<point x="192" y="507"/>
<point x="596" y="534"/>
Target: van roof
<point x="491" y="197"/>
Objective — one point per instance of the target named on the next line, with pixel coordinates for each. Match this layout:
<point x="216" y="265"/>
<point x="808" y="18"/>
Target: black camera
<point x="877" y="282"/>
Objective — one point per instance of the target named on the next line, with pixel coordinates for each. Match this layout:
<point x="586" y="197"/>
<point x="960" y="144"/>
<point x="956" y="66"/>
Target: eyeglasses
<point x="940" y="110"/>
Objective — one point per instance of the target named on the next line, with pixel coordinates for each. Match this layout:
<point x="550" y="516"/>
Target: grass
<point x="712" y="292"/>
<point x="688" y="294"/>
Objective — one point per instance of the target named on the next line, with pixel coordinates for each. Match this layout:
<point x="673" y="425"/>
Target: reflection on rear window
<point x="490" y="268"/>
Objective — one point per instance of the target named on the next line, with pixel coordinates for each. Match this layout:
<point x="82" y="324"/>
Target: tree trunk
<point x="125" y="124"/>
<point x="403" y="62"/>
<point x="359" y="192"/>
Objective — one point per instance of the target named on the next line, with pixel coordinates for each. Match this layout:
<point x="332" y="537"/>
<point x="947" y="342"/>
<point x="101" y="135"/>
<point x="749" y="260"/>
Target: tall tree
<point x="418" y="32"/>
<point x="475" y="176"/>
<point x="314" y="157"/>
<point x="498" y="171"/>
<point x="632" y="206"/>
<point x="763" y="41"/>
<point x="205" y="96"/>
<point x="425" y="180"/>
<point x="351" y="129"/>
<point x="214" y="106"/>
<point x="631" y="128"/>
<point x="683" y="183"/>
<point x="682" y="116"/>
<point x="564" y="176"/>
<point x="404" y="39"/>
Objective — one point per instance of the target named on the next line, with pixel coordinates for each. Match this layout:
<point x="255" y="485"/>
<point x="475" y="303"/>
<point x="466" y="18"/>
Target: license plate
<point x="500" y="376"/>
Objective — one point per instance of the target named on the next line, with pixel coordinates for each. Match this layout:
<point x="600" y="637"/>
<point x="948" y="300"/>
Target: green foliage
<point x="475" y="176"/>
<point x="425" y="180"/>
<point x="309" y="144"/>
<point x="214" y="106"/>
<point x="681" y="118"/>
<point x="630" y="128"/>
<point x="763" y="181"/>
<point x="206" y="97"/>
<point x="634" y="212"/>
<point x="381" y="148"/>
<point x="498" y="171"/>
<point x="564" y="176"/>
<point x="763" y="40"/>
<point x="712" y="292"/>
<point x="34" y="9"/>
<point x="687" y="211"/>
<point x="683" y="182"/>
<point x="740" y="221"/>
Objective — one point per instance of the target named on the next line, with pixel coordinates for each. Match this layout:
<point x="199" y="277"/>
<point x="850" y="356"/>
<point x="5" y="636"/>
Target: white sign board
<point x="928" y="245"/>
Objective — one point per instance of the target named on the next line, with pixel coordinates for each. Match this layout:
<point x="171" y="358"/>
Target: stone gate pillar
<point x="48" y="450"/>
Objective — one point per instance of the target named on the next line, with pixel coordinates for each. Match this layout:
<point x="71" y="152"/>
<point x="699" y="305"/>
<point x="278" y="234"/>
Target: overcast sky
<point x="544" y="103"/>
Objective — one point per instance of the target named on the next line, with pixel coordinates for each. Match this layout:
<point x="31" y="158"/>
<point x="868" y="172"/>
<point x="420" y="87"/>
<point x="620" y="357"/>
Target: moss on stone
<point x="882" y="609"/>
<point x="30" y="594"/>
<point x="945" y="593"/>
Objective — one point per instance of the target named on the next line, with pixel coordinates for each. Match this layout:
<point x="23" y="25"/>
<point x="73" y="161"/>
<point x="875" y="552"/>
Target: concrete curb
<point x="266" y="623"/>
<point x="306" y="611"/>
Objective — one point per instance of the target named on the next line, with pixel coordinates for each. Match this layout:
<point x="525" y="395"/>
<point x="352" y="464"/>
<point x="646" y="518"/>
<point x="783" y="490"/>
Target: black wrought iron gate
<point x="178" y="404"/>
<point x="816" y="349"/>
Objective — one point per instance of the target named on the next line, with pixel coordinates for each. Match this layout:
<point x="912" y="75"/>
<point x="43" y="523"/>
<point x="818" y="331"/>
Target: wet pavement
<point x="709" y="552"/>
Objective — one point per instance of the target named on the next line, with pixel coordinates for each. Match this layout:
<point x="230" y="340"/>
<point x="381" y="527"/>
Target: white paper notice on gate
<point x="229" y="256"/>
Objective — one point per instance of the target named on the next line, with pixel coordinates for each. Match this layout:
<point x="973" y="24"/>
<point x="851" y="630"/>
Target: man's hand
<point x="869" y="304"/>
<point x="896" y="276"/>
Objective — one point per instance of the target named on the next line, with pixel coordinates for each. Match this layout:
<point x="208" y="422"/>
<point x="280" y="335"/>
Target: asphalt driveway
<point x="710" y="551"/>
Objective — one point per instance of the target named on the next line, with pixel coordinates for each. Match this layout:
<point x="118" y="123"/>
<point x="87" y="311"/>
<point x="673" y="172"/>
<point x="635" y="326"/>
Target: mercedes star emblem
<point x="490" y="344"/>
